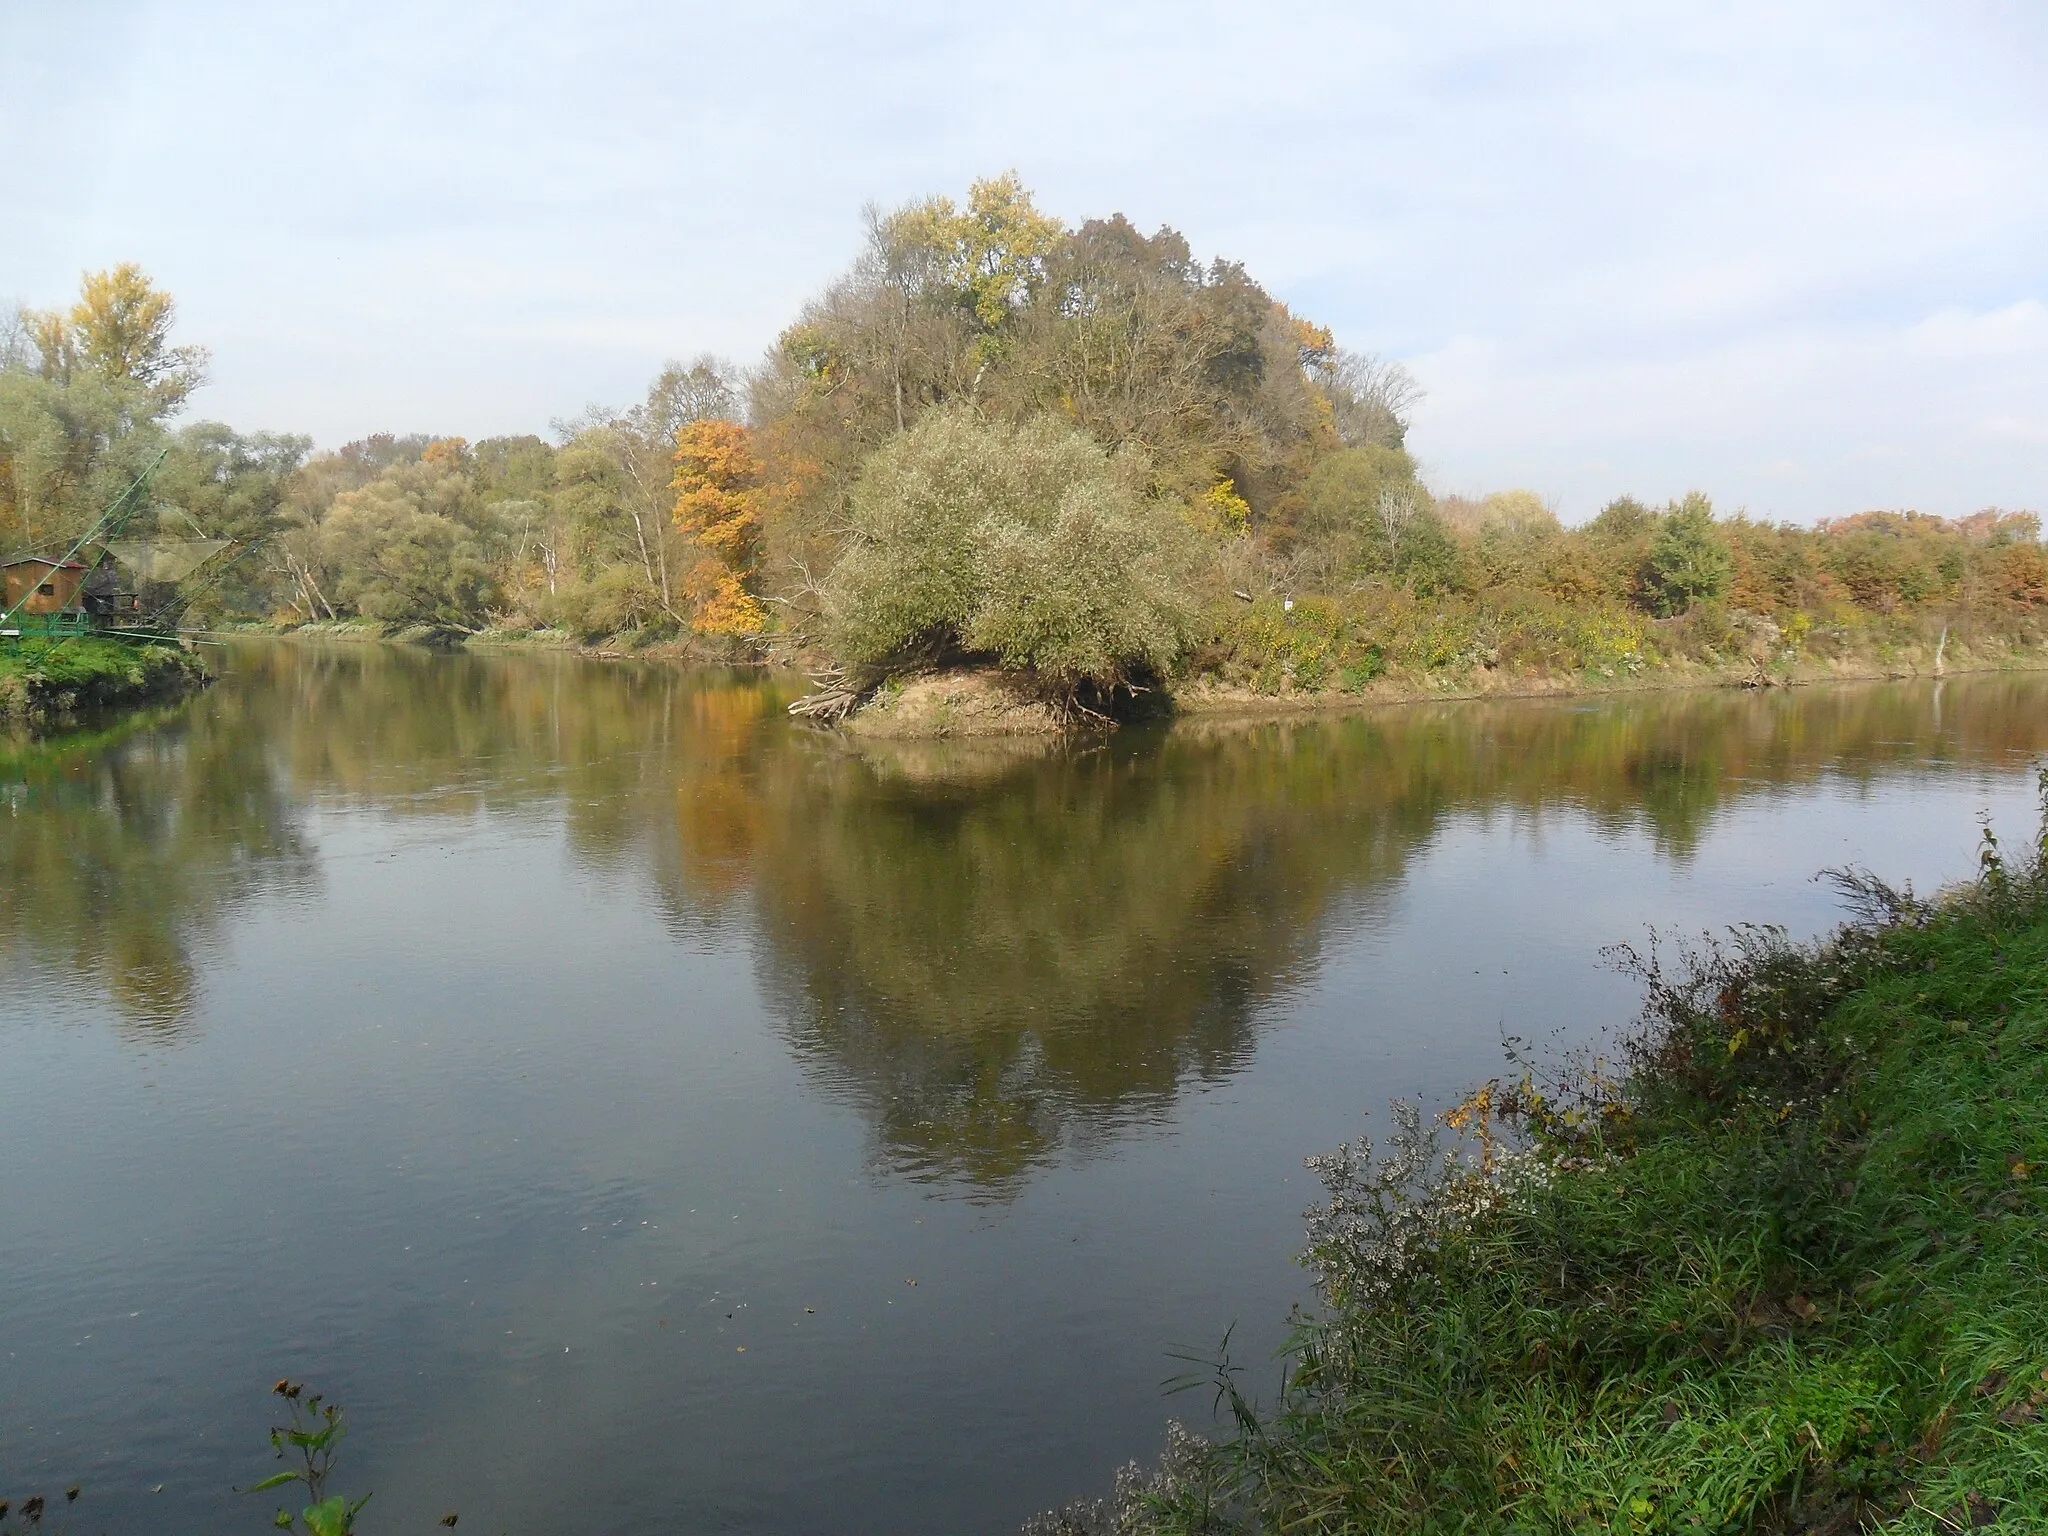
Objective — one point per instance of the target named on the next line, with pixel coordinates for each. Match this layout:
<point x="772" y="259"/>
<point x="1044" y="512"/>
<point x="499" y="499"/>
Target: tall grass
<point x="1783" y="1267"/>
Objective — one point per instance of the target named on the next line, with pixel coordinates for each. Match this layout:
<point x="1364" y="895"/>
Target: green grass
<point x="40" y="679"/>
<point x="1785" y="1269"/>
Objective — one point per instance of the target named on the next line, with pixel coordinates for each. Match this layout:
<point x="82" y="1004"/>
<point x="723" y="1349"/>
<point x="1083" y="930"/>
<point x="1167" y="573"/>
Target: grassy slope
<point x="1790" y="1273"/>
<point x="40" y="679"/>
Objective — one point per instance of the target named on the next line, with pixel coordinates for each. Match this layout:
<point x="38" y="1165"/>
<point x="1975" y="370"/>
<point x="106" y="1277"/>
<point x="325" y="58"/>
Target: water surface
<point x="648" y="1115"/>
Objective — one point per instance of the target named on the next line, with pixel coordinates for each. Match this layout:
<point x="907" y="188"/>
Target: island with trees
<point x="1001" y="475"/>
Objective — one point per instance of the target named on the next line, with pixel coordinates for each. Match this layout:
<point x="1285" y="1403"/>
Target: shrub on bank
<point x="1024" y="544"/>
<point x="1781" y="1270"/>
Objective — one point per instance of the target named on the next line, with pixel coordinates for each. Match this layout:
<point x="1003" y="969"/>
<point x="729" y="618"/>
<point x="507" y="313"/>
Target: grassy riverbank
<point x="1781" y="1270"/>
<point x="42" y="681"/>
<point x="1388" y="643"/>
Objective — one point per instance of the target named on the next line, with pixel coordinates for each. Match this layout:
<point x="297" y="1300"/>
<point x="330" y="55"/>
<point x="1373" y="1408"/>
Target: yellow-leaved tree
<point x="718" y="506"/>
<point x="84" y="393"/>
<point x="120" y="329"/>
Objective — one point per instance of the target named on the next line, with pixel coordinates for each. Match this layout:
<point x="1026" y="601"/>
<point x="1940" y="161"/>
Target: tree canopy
<point x="1079" y="453"/>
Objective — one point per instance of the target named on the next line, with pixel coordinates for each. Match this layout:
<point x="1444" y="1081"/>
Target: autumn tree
<point x="84" y="393"/>
<point x="717" y="485"/>
<point x="1195" y="365"/>
<point x="614" y="502"/>
<point x="120" y="330"/>
<point x="928" y="313"/>
<point x="1227" y="397"/>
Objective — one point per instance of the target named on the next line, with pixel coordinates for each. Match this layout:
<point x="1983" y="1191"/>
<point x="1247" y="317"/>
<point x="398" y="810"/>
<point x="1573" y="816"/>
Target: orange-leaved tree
<point x="718" y="506"/>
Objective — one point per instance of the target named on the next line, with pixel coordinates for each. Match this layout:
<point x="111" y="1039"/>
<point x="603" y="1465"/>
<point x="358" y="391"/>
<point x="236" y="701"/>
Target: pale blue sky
<point x="1793" y="254"/>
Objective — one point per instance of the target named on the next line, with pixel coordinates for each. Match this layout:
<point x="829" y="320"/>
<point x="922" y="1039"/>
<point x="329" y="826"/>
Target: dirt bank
<point x="954" y="704"/>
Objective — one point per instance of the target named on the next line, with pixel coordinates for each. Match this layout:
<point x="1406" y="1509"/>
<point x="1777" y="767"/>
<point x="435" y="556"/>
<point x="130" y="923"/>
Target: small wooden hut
<point x="40" y="586"/>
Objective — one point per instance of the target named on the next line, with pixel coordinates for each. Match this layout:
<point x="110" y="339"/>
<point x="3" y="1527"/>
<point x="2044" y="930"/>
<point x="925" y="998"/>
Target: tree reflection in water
<point x="1002" y="960"/>
<point x="1001" y="954"/>
<point x="123" y="850"/>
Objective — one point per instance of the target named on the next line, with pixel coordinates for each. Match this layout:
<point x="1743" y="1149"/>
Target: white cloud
<point x="1625" y="247"/>
<point x="2034" y="430"/>
<point x="1793" y="421"/>
<point x="2018" y="329"/>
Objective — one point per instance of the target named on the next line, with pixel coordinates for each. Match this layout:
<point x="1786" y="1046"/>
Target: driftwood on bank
<point x="835" y="698"/>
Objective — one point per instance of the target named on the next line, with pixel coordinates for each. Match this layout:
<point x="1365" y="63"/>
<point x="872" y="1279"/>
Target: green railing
<point x="40" y="626"/>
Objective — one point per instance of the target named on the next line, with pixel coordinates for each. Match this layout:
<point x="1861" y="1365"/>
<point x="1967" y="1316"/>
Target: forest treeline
<point x="1078" y="454"/>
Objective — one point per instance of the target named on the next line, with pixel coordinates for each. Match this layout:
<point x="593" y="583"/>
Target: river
<point x="649" y="1115"/>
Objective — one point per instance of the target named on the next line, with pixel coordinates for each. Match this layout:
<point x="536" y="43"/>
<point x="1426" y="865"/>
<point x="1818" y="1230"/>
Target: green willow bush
<point x="1026" y="544"/>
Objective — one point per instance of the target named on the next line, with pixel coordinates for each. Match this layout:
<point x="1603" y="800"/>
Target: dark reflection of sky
<point x="509" y="1100"/>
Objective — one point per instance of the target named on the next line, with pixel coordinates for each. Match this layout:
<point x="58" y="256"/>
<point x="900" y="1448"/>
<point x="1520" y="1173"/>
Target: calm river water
<point x="649" y="1116"/>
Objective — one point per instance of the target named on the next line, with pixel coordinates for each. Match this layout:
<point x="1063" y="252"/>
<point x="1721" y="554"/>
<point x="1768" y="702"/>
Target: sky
<point x="1794" y="255"/>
